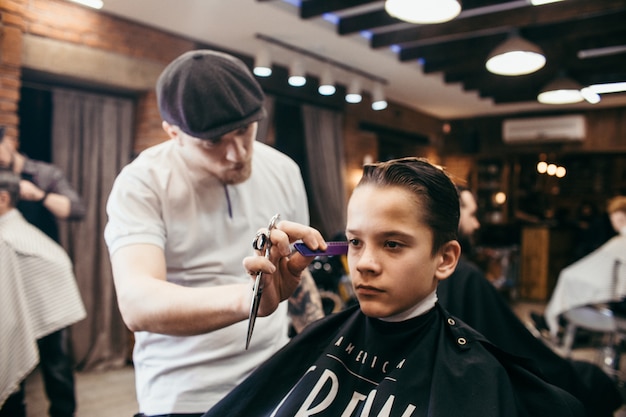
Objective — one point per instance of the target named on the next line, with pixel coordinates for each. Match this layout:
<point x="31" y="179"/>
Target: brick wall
<point x="12" y="26"/>
<point x="74" y="24"/>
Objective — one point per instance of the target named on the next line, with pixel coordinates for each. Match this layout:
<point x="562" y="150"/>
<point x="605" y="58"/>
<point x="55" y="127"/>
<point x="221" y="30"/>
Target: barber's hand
<point x="30" y="192"/>
<point x="281" y="272"/>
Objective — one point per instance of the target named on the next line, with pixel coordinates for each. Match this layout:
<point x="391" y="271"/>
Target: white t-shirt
<point x="205" y="230"/>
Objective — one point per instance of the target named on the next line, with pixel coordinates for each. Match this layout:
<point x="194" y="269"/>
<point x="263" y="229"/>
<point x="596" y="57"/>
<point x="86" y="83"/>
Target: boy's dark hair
<point x="10" y="182"/>
<point x="432" y="188"/>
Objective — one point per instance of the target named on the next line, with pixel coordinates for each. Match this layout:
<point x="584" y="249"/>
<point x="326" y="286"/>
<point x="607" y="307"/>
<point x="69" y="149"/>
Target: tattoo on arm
<point x="305" y="304"/>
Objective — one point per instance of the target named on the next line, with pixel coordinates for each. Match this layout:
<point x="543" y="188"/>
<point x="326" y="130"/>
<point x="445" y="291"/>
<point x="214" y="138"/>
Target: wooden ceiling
<point x="458" y="49"/>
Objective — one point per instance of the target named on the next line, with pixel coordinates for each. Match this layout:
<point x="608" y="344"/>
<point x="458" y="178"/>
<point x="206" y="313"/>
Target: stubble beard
<point x="238" y="174"/>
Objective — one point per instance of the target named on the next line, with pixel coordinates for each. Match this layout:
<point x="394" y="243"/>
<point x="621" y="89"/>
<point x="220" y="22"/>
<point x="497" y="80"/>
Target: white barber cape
<point x="590" y="280"/>
<point x="38" y="295"/>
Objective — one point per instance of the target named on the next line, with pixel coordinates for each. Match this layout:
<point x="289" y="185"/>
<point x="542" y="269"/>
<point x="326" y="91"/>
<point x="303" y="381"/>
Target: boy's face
<point x="390" y="251"/>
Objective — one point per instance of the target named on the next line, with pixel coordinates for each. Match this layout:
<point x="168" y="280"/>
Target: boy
<point x="399" y="353"/>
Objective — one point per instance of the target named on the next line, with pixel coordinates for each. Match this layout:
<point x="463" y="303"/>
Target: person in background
<point x="399" y="352"/>
<point x="181" y="217"/>
<point x="45" y="193"/>
<point x="593" y="271"/>
<point x="617" y="214"/>
<point x="593" y="228"/>
<point x="45" y="197"/>
<point x="468" y="295"/>
<point x="38" y="283"/>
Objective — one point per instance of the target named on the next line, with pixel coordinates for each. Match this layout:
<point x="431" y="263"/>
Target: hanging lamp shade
<point x="562" y="90"/>
<point x="423" y="11"/>
<point x="515" y="56"/>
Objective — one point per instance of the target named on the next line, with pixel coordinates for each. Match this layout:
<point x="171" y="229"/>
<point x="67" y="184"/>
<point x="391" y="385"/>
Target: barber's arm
<point x="148" y="302"/>
<point x="305" y="304"/>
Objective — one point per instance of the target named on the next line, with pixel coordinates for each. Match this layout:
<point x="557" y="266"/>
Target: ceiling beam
<point x="366" y="21"/>
<point x="502" y="21"/>
<point x="316" y="8"/>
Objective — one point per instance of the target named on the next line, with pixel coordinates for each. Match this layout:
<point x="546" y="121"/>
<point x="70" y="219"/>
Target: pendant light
<point x="378" y="97"/>
<point x="296" y="74"/>
<point x="262" y="63"/>
<point x="327" y="83"/>
<point x="354" y="92"/>
<point x="562" y="90"/>
<point x="515" y="56"/>
<point x="423" y="11"/>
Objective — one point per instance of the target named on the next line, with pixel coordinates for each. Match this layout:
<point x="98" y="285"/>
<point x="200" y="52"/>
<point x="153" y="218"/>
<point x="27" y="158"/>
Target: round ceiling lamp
<point x="354" y="92"/>
<point x="423" y="11"/>
<point x="262" y="64"/>
<point x="327" y="83"/>
<point x="296" y="74"/>
<point x="515" y="56"/>
<point x="562" y="90"/>
<point x="379" y="102"/>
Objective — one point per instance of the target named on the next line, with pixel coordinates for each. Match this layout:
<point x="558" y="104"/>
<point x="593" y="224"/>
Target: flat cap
<point x="209" y="93"/>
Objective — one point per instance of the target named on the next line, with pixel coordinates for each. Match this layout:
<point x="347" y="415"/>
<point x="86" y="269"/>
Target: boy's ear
<point x="448" y="258"/>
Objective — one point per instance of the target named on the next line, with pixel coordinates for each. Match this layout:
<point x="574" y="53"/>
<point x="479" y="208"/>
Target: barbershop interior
<point x="538" y="141"/>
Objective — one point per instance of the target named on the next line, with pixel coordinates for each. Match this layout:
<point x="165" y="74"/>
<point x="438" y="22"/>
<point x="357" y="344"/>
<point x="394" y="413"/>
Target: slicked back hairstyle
<point x="10" y="182"/>
<point x="432" y="188"/>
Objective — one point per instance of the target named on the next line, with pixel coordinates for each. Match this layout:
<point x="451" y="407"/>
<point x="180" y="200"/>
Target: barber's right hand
<point x="283" y="268"/>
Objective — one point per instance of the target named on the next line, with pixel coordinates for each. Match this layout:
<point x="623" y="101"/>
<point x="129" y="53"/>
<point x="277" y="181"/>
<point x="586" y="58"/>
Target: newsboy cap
<point x="209" y="93"/>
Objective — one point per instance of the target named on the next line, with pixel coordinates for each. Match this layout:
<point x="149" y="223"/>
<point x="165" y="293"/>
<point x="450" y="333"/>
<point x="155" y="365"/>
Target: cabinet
<point x="545" y="251"/>
<point x="490" y="183"/>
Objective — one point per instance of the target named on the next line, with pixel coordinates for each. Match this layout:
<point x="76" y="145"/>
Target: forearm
<point x="59" y="205"/>
<point x="162" y="307"/>
<point x="62" y="202"/>
<point x="305" y="305"/>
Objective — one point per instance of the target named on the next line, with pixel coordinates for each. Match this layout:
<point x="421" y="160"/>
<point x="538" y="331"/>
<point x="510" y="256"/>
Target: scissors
<point x="261" y="242"/>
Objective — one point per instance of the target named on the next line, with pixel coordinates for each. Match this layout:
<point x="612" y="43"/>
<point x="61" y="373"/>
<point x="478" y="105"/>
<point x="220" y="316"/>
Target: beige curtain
<point x="265" y="133"/>
<point x="325" y="158"/>
<point x="92" y="141"/>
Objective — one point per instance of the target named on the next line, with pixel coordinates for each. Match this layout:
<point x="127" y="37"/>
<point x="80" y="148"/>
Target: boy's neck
<point x="417" y="310"/>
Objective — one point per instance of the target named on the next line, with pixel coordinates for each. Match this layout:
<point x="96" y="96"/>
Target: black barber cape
<point x="468" y="295"/>
<point x="349" y="365"/>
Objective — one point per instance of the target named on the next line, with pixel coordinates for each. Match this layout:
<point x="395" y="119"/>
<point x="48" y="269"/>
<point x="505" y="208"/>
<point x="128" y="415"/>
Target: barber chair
<point x="601" y="320"/>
